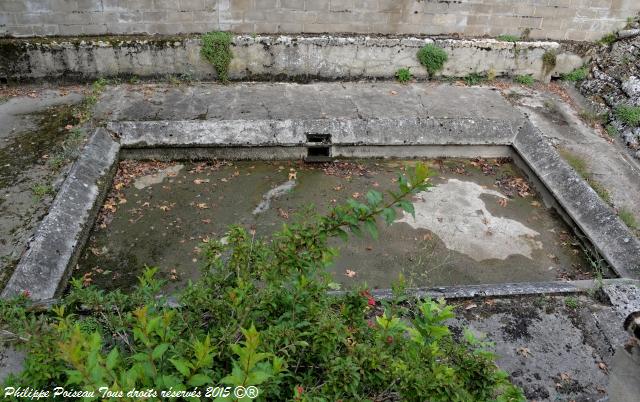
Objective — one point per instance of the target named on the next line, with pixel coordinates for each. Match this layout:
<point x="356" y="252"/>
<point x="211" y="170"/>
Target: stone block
<point x="166" y="5"/>
<point x="89" y="5"/>
<point x="316" y="5"/>
<point x="191" y="5"/>
<point x="13" y="6"/>
<point x="292" y="4"/>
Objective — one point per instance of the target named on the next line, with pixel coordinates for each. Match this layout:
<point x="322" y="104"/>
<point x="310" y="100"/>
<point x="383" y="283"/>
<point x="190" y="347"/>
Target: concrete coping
<point x="48" y="261"/>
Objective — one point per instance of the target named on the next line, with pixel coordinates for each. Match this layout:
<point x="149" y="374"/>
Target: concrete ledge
<point x="606" y="232"/>
<point x="497" y="290"/>
<point x="274" y="57"/>
<point x="44" y="268"/>
<point x="384" y="131"/>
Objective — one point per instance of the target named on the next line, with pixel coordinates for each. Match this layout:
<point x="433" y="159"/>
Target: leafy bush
<point x="628" y="114"/>
<point x="432" y="58"/>
<point x="576" y="75"/>
<point x="474" y="79"/>
<point x="216" y="48"/>
<point x="403" y="75"/>
<point x="261" y="315"/>
<point x="524" y="79"/>
<point x="508" y="38"/>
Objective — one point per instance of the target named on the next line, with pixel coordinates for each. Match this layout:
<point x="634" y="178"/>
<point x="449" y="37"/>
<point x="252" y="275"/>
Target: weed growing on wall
<point x="549" y="61"/>
<point x="432" y="58"/>
<point x="576" y="75"/>
<point x="508" y="38"/>
<point x="524" y="79"/>
<point x="474" y="79"/>
<point x="403" y="75"/>
<point x="216" y="49"/>
<point x="629" y="115"/>
<point x="261" y="316"/>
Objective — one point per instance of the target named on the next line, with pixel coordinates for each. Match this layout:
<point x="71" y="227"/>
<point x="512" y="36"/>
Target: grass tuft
<point x="524" y="79"/>
<point x="628" y="114"/>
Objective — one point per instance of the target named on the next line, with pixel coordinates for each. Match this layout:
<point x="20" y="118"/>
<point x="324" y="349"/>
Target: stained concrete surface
<point x="28" y="135"/>
<point x="560" y="122"/>
<point x="593" y="332"/>
<point x="498" y="232"/>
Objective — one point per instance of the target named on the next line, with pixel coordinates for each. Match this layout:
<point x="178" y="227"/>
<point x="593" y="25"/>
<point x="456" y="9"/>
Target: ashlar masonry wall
<point x="540" y="19"/>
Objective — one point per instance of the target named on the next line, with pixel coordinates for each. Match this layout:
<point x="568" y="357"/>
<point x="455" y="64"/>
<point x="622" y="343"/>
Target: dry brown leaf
<point x="202" y="205"/>
<point x="350" y="274"/>
<point x="502" y="202"/>
<point x="200" y="181"/>
<point x="524" y="352"/>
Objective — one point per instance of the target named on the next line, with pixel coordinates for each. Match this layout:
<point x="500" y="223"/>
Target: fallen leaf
<point x="292" y="174"/>
<point x="202" y="205"/>
<point x="356" y="195"/>
<point x="283" y="214"/>
<point x="200" y="181"/>
<point x="502" y="202"/>
<point x="535" y="204"/>
<point x="224" y="180"/>
<point x="350" y="274"/>
<point x="118" y="186"/>
<point x="524" y="352"/>
<point x="337" y="188"/>
<point x="602" y="366"/>
<point x="469" y="306"/>
<point x="393" y="92"/>
<point x="206" y="221"/>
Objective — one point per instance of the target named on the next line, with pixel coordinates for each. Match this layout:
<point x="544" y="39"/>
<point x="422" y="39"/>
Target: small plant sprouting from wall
<point x="629" y="115"/>
<point x="508" y="38"/>
<point x="216" y="49"/>
<point x="524" y="79"/>
<point x="627" y="217"/>
<point x="474" y="79"/>
<point x="432" y="58"/>
<point x="549" y="59"/>
<point x="403" y="75"/>
<point x="608" y="39"/>
<point x="576" y="75"/>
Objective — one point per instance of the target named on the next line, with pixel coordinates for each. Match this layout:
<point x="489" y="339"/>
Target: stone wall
<point x="274" y="57"/>
<point x="543" y="19"/>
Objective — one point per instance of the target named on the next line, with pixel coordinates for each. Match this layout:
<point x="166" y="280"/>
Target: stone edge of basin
<point x="606" y="232"/>
<point x="383" y="131"/>
<point x="44" y="268"/>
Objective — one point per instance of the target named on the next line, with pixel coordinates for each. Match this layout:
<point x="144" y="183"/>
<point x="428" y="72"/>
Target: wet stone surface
<point x="480" y="223"/>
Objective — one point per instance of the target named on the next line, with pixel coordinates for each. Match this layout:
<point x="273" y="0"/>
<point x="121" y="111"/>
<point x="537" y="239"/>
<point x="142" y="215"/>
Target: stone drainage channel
<point x="60" y="239"/>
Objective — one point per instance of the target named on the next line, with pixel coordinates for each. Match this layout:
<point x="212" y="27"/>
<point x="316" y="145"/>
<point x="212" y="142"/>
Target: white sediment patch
<point x="156" y="178"/>
<point x="273" y="193"/>
<point x="455" y="212"/>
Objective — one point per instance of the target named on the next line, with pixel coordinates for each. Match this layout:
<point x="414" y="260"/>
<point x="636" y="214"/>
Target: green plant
<point x="576" y="75"/>
<point x="628" y="218"/>
<point x="549" y="59"/>
<point x="580" y="166"/>
<point x="474" y="79"/>
<point x="591" y="118"/>
<point x="403" y="75"/>
<point x="608" y="39"/>
<point x="611" y="130"/>
<point x="216" y="49"/>
<point x="524" y="79"/>
<point x="432" y="58"/>
<point x="571" y="302"/>
<point x="40" y="190"/>
<point x="628" y="114"/>
<point x="261" y="315"/>
<point x="508" y="38"/>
